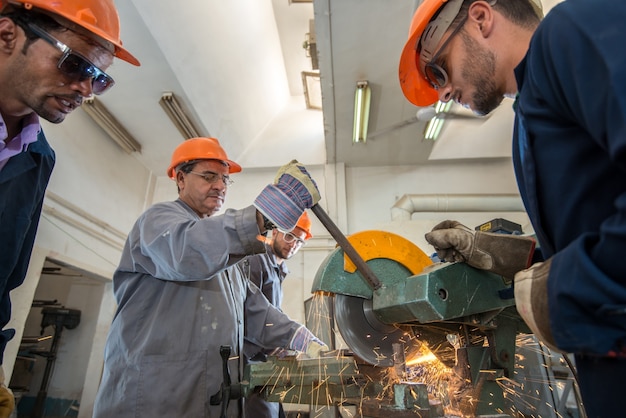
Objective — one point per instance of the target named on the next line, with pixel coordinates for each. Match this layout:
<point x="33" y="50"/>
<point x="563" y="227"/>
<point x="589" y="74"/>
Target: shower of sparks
<point x="533" y="388"/>
<point x="544" y="390"/>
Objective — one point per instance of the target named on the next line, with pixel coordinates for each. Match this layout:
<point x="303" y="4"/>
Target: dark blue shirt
<point x="23" y="182"/>
<point x="569" y="153"/>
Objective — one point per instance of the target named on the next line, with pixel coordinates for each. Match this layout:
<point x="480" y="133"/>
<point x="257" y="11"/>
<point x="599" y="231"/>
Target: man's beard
<point x="479" y="69"/>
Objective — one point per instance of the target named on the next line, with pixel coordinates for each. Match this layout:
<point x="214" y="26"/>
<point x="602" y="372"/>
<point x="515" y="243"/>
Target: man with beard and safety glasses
<point x="267" y="272"/>
<point x="567" y="74"/>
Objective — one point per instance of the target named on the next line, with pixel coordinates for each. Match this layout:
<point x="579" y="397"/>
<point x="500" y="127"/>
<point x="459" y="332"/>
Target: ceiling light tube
<point x="179" y="118"/>
<point x="435" y="125"/>
<point x="99" y="113"/>
<point x="433" y="128"/>
<point x="362" y="99"/>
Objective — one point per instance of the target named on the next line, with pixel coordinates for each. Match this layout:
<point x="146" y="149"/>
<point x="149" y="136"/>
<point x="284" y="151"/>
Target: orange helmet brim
<point x="415" y="86"/>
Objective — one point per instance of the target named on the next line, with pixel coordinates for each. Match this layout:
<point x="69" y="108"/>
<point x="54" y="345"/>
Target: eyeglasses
<point x="211" y="177"/>
<point x="75" y="65"/>
<point x="290" y="238"/>
<point x="436" y="75"/>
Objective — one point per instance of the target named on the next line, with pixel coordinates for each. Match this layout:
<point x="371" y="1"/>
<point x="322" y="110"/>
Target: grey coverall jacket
<point x="181" y="296"/>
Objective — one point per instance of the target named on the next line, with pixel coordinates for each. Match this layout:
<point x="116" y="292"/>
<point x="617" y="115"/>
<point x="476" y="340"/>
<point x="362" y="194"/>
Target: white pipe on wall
<point x="411" y="203"/>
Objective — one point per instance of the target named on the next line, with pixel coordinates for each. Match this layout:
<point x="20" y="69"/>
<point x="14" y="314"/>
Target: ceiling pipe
<point x="411" y="203"/>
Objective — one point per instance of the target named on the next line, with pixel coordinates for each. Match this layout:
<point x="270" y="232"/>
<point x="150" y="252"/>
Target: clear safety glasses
<point x="211" y="177"/>
<point x="75" y="65"/>
<point x="435" y="73"/>
<point x="291" y="238"/>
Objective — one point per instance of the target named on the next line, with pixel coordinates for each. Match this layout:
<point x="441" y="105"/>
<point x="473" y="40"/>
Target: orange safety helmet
<point x="200" y="149"/>
<point x="415" y="86"/>
<point x="304" y="223"/>
<point x="98" y="17"/>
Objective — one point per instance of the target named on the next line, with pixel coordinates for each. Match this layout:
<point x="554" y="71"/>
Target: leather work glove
<point x="304" y="341"/>
<point x="531" y="299"/>
<point x="502" y="254"/>
<point x="284" y="201"/>
<point x="7" y="400"/>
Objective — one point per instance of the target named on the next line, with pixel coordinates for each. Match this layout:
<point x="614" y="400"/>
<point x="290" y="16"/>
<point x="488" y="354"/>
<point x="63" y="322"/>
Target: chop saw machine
<point x="391" y="304"/>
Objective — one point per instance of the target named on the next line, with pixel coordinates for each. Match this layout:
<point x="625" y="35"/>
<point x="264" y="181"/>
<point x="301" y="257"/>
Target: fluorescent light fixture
<point x="362" y="99"/>
<point x="100" y="114"/>
<point x="434" y="126"/>
<point x="179" y="118"/>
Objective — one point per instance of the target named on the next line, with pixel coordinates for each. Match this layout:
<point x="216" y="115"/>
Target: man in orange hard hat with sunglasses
<point x="53" y="54"/>
<point x="567" y="73"/>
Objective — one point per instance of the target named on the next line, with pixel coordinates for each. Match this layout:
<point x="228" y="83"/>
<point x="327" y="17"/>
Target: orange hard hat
<point x="98" y="17"/>
<point x="200" y="149"/>
<point x="425" y="34"/>
<point x="304" y="223"/>
<point x="416" y="88"/>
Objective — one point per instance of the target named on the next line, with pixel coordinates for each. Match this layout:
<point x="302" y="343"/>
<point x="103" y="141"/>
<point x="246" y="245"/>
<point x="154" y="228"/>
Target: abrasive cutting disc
<point x="368" y="337"/>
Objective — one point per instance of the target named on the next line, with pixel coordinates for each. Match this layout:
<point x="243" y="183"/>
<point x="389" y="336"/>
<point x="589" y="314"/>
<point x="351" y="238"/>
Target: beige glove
<point x="7" y="400"/>
<point x="304" y="341"/>
<point x="531" y="299"/>
<point x="502" y="254"/>
<point x="315" y="349"/>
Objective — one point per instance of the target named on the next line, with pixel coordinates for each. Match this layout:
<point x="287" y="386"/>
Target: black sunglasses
<point x="75" y="65"/>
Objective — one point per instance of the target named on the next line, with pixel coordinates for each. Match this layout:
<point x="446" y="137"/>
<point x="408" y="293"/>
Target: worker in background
<point x="567" y="73"/>
<point x="182" y="292"/>
<point x="267" y="271"/>
<point x="53" y="54"/>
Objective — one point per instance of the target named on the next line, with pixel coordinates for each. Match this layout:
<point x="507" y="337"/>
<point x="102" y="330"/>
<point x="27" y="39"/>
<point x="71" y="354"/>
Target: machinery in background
<point x="58" y="317"/>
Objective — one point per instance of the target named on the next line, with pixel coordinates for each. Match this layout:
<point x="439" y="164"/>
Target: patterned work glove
<point x="499" y="253"/>
<point x="303" y="340"/>
<point x="7" y="400"/>
<point x="284" y="201"/>
<point x="531" y="299"/>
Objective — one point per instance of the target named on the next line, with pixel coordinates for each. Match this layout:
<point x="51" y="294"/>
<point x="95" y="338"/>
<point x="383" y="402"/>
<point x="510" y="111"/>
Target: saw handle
<point x="347" y="248"/>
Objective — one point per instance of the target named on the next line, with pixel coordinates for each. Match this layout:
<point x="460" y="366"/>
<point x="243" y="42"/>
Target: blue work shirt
<point x="23" y="182"/>
<point x="569" y="153"/>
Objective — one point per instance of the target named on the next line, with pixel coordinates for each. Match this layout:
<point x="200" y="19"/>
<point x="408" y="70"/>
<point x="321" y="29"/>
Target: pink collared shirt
<point x="10" y="147"/>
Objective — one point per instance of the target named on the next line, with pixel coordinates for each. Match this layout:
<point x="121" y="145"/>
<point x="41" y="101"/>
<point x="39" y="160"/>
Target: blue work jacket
<point x="569" y="153"/>
<point x="23" y="182"/>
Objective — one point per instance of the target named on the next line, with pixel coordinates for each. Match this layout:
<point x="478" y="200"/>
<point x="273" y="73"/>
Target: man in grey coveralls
<point x="182" y="295"/>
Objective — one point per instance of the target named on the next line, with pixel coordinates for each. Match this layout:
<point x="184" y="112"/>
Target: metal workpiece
<point x="330" y="380"/>
<point x="338" y="380"/>
<point x="407" y="400"/>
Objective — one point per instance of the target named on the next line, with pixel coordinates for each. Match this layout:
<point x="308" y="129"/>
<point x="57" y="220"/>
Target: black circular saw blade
<point x="368" y="337"/>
